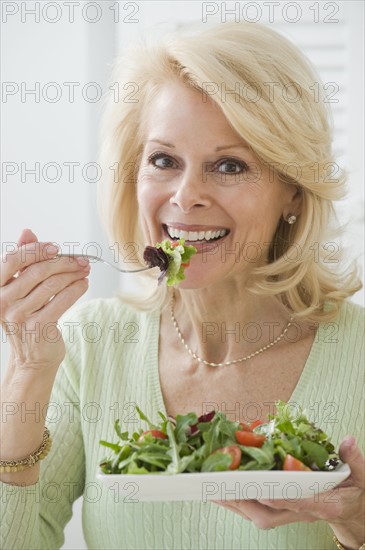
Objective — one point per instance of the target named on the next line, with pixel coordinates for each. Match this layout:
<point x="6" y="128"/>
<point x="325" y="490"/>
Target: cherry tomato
<point x="250" y="427"/>
<point x="245" y="427"/>
<point x="291" y="463"/>
<point x="256" y="423"/>
<point x="235" y="453"/>
<point x="250" y="439"/>
<point x="155" y="433"/>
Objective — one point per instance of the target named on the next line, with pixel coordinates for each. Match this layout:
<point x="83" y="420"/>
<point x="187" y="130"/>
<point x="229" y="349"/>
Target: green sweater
<point x="111" y="364"/>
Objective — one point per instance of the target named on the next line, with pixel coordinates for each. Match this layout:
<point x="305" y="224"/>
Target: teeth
<point x="195" y="235"/>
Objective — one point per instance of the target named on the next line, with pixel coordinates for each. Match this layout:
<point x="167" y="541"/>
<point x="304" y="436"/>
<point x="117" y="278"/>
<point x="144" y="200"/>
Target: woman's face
<point x="199" y="180"/>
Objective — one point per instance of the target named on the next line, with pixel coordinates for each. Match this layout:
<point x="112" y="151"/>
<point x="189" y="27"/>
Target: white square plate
<point x="230" y="485"/>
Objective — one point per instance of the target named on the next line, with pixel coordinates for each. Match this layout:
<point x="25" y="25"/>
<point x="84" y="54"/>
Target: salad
<point x="171" y="257"/>
<point x="212" y="443"/>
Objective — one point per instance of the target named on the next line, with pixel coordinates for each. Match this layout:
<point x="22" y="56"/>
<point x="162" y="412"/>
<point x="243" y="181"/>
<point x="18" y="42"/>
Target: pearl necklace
<point x="241" y="359"/>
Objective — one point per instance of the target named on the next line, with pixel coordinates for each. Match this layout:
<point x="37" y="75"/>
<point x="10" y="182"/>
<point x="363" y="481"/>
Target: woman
<point x="204" y="151"/>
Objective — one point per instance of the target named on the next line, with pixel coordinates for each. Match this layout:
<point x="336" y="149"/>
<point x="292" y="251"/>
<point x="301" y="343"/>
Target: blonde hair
<point x="291" y="131"/>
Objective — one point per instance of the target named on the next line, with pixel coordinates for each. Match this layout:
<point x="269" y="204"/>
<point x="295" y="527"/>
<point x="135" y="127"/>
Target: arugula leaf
<point x="116" y="448"/>
<point x="217" y="462"/>
<point x="195" y="464"/>
<point x="122" y="464"/>
<point x="314" y="453"/>
<point x="160" y="459"/>
<point x="133" y="468"/>
<point x="185" y="463"/>
<point x="228" y="428"/>
<point x="122" y="435"/>
<point x="263" y="456"/>
<point x="174" y="466"/>
<point x="183" y="423"/>
<point x="142" y="416"/>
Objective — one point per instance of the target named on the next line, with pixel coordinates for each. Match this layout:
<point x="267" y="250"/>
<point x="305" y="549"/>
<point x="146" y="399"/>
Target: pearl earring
<point x="291" y="219"/>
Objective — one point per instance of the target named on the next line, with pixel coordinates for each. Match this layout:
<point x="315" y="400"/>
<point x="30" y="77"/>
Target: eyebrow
<point x="219" y="148"/>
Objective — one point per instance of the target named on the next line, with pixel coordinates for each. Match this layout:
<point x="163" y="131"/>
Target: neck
<point x="223" y="324"/>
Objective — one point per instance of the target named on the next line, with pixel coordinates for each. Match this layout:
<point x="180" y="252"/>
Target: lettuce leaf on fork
<point x="171" y="257"/>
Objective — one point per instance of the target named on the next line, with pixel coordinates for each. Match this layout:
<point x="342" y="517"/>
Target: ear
<point x="294" y="203"/>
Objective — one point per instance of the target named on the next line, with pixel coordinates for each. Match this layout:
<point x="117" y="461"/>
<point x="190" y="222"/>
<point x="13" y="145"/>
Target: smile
<point x="196" y="236"/>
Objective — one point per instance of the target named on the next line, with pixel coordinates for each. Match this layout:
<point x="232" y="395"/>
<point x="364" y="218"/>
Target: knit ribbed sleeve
<point x="34" y="516"/>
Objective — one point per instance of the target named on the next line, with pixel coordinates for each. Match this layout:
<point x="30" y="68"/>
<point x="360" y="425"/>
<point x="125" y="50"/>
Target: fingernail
<point x="82" y="261"/>
<point x="349" y="442"/>
<point x="51" y="249"/>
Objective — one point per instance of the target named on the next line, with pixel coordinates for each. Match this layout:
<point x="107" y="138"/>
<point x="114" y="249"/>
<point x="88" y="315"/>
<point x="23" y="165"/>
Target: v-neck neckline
<point x="311" y="364"/>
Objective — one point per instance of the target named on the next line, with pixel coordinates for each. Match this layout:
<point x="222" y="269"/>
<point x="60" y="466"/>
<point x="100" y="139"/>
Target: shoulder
<point x="351" y="320"/>
<point x="341" y="341"/>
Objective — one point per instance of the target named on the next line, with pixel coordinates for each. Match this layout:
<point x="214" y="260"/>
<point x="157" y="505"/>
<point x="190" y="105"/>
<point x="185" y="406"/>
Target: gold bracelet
<point x="32" y="459"/>
<point x="340" y="547"/>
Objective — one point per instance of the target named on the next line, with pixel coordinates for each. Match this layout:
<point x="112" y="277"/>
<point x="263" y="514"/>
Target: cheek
<point x="146" y="195"/>
<point x="256" y="218"/>
<point x="142" y="187"/>
<point x="150" y="200"/>
<point x="142" y="193"/>
<point x="265" y="220"/>
<point x="151" y="193"/>
<point x="264" y="204"/>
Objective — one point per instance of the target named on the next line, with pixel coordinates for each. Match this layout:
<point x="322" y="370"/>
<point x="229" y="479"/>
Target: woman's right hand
<point x="29" y="278"/>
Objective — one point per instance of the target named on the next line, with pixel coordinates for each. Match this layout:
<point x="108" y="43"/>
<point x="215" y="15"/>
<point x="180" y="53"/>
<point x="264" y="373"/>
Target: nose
<point x="191" y="191"/>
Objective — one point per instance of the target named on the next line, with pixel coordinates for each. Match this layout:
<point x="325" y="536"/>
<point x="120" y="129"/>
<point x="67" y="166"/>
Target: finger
<point x="327" y="505"/>
<point x="23" y="257"/>
<point x="48" y="288"/>
<point x="62" y="301"/>
<point x="38" y="274"/>
<point x="27" y="236"/>
<point x="266" y="518"/>
<point x="351" y="454"/>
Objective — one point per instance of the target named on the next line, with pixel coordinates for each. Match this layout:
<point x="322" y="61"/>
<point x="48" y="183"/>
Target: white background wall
<point x="66" y="131"/>
<point x="59" y="132"/>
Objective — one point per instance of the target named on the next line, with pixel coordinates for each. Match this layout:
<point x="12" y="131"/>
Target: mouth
<point x="195" y="234"/>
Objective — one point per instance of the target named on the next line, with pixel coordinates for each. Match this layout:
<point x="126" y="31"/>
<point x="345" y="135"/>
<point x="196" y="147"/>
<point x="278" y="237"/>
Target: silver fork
<point x="104" y="262"/>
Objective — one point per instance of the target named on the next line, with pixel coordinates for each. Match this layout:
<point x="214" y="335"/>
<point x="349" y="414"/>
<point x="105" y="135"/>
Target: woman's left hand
<point x="343" y="507"/>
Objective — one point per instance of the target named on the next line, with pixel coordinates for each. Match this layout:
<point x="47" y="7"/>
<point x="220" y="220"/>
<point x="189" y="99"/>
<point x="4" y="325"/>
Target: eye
<point x="231" y="166"/>
<point x="160" y="160"/>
